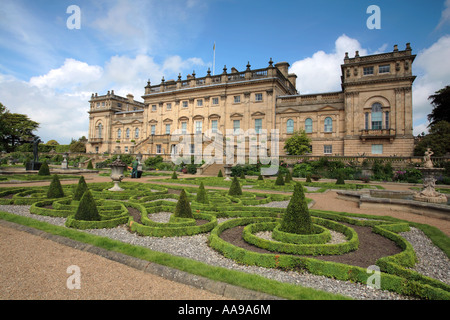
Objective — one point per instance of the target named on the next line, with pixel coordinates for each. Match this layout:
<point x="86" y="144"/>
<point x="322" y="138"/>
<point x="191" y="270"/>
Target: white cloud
<point x="445" y="16"/>
<point x="322" y="71"/>
<point x="433" y="75"/>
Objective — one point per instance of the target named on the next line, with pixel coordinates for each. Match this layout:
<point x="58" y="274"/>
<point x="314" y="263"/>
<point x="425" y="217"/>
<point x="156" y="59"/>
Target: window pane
<point x="119" y="133"/>
<point x="167" y="128"/>
<point x="215" y="101"/>
<point x="258" y="125"/>
<point x="237" y="99"/>
<point x="290" y="126"/>
<point x="377" y="149"/>
<point x="368" y="71"/>
<point x="258" y="97"/>
<point x="387" y="120"/>
<point x="183" y="127"/>
<point x="136" y="133"/>
<point x="214" y="125"/>
<point x="236" y="125"/>
<point x="185" y="104"/>
<point x="308" y="125"/>
<point x="153" y="129"/>
<point x="199" y="102"/>
<point x="328" y="125"/>
<point x="327" y="149"/>
<point x="384" y="69"/>
<point x="198" y="126"/>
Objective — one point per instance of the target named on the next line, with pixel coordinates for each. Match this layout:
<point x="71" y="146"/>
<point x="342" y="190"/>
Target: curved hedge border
<point x="110" y="218"/>
<point x="321" y="235"/>
<point x="419" y="286"/>
<point x="302" y="249"/>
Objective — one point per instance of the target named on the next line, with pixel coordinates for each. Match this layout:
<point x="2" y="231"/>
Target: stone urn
<point x="117" y="169"/>
<point x="227" y="168"/>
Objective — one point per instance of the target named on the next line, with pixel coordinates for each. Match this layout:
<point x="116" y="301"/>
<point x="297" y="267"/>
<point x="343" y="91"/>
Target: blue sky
<point x="49" y="71"/>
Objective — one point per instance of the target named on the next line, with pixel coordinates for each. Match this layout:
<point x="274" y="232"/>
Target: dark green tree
<point x="235" y="188"/>
<point x="299" y="143"/>
<point x="87" y="209"/>
<point x="89" y="165"/>
<point x="183" y="208"/>
<point x="201" y="194"/>
<point x="260" y="177"/>
<point x="44" y="170"/>
<point x="81" y="189"/>
<point x="288" y="177"/>
<point x="441" y="106"/>
<point x="220" y="175"/>
<point x="437" y="139"/>
<point x="280" y="180"/>
<point x="297" y="218"/>
<point x="174" y="175"/>
<point x="55" y="190"/>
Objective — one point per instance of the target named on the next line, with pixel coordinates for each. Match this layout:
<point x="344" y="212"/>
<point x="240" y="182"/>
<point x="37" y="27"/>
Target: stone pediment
<point x="167" y="120"/>
<point x="288" y="110"/>
<point x="214" y="116"/>
<point x="258" y="114"/>
<point x="328" y="108"/>
<point x="153" y="121"/>
<point x="236" y="115"/>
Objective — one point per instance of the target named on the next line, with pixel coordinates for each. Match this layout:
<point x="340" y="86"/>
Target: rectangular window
<point x="185" y="104"/>
<point x="103" y="104"/>
<point x="327" y="149"/>
<point x="366" y="121"/>
<point x="158" y="148"/>
<point x="214" y="125"/>
<point x="153" y="129"/>
<point x="377" y="120"/>
<point x="98" y="104"/>
<point x="167" y="128"/>
<point x="215" y="101"/>
<point x="377" y="149"/>
<point x="237" y="99"/>
<point x="236" y="126"/>
<point x="384" y="69"/>
<point x="258" y="125"/>
<point x="153" y="107"/>
<point x="199" y="102"/>
<point x="258" y="97"/>
<point x="169" y="106"/>
<point x="198" y="126"/>
<point x="126" y="149"/>
<point x="192" y="149"/>
<point x="184" y="127"/>
<point x="368" y="71"/>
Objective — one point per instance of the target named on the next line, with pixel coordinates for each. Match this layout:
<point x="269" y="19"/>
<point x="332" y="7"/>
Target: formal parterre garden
<point x="233" y="220"/>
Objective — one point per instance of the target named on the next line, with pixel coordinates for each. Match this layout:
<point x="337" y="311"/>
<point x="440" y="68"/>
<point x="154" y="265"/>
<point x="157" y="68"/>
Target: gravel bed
<point x="336" y="237"/>
<point x="432" y="261"/>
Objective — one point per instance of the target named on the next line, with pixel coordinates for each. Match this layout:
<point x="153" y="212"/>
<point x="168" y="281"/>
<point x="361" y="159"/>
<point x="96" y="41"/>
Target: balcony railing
<point x="377" y="134"/>
<point x="96" y="140"/>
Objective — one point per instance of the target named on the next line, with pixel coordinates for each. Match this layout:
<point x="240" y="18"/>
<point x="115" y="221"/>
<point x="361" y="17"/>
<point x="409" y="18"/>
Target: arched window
<point x="136" y="133"/>
<point x="308" y="125"/>
<point x="100" y="129"/>
<point x="328" y="125"/>
<point x="377" y="116"/>
<point x="119" y="133"/>
<point x="290" y="126"/>
<point x="128" y="133"/>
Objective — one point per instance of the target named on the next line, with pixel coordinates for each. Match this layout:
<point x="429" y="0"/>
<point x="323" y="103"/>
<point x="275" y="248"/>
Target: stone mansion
<point x="371" y="115"/>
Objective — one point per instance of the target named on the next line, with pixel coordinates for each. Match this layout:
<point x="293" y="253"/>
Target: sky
<point x="52" y="58"/>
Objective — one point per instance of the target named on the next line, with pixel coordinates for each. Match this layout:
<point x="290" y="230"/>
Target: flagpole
<point x="214" y="59"/>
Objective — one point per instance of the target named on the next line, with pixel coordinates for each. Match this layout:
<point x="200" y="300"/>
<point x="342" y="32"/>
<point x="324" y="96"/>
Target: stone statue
<point x="427" y="159"/>
<point x="36" y="141"/>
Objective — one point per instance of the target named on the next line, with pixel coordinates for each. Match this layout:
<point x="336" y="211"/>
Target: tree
<point x="235" y="188"/>
<point x="288" y="177"/>
<point x="55" y="190"/>
<point x="280" y="180"/>
<point x="77" y="146"/>
<point x="87" y="209"/>
<point x="220" y="174"/>
<point x="298" y="144"/>
<point x="44" y="170"/>
<point x="52" y="143"/>
<point x="437" y="140"/>
<point x="81" y="189"/>
<point x="297" y="218"/>
<point x="15" y="129"/>
<point x="201" y="194"/>
<point x="174" y="175"/>
<point x="441" y="106"/>
<point x="183" y="208"/>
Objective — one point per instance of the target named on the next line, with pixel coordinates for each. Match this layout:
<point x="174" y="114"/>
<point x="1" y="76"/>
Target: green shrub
<point x="89" y="165"/>
<point x="201" y="194"/>
<point x="174" y="175"/>
<point x="55" y="190"/>
<point x="44" y="169"/>
<point x="297" y="218"/>
<point x="260" y="177"/>
<point x="280" y="180"/>
<point x="183" y="208"/>
<point x="87" y="209"/>
<point x="81" y="189"/>
<point x="242" y="175"/>
<point x="220" y="175"/>
<point x="235" y="188"/>
<point x="308" y="177"/>
<point x="288" y="177"/>
<point x="340" y="177"/>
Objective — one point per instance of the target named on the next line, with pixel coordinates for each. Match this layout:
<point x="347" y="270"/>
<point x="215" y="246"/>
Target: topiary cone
<point x="81" y="189"/>
<point x="55" y="190"/>
<point x="44" y="170"/>
<point x="201" y="194"/>
<point x="235" y="188"/>
<point x="87" y="209"/>
<point x="297" y="218"/>
<point x="183" y="208"/>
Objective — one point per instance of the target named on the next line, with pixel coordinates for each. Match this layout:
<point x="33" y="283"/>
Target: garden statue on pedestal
<point x="34" y="164"/>
<point x="429" y="173"/>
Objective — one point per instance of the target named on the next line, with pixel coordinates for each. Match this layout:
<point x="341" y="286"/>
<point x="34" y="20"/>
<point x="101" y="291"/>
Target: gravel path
<point x="195" y="247"/>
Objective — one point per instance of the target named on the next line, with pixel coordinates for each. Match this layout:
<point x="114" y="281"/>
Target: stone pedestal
<point x="117" y="169"/>
<point x="227" y="168"/>
<point x="64" y="164"/>
<point x="429" y="193"/>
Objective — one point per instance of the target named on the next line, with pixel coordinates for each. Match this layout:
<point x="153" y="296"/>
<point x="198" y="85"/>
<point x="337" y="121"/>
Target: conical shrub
<point x="55" y="190"/>
<point x="260" y="177"/>
<point x="288" y="177"/>
<point x="201" y="194"/>
<point x="81" y="189"/>
<point x="183" y="208"/>
<point x="87" y="209"/>
<point x="242" y="175"/>
<point x="280" y="180"/>
<point x="44" y="170"/>
<point x="235" y="188"/>
<point x="308" y="177"/>
<point x="174" y="175"/>
<point x="89" y="165"/>
<point x="297" y="218"/>
<point x="220" y="174"/>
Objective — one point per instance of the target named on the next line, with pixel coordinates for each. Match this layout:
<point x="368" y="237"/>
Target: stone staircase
<point x="211" y="169"/>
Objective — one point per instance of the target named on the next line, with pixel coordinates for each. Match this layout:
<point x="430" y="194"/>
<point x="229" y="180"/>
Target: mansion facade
<point x="371" y="115"/>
